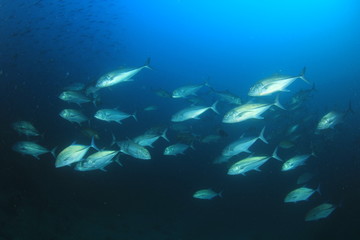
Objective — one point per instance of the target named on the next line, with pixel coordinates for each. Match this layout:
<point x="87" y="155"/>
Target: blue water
<point x="47" y="45"/>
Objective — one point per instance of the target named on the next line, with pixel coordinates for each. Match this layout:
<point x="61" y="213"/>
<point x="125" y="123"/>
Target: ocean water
<point x="45" y="46"/>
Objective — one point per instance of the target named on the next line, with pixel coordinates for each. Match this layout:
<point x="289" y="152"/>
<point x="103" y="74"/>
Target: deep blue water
<point x="47" y="45"/>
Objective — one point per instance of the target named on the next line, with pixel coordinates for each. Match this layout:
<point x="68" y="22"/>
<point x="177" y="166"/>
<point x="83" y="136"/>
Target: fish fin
<point x="220" y="194"/>
<point x="247" y="151"/>
<point x="277" y="103"/>
<point x="103" y="169"/>
<point x="213" y="107"/>
<point x="318" y="190"/>
<point x="276" y="156"/>
<point x="257" y="169"/>
<point x="118" y="121"/>
<point x="117" y="160"/>
<point x="285" y="90"/>
<point x="113" y="141"/>
<point x="261" y="136"/>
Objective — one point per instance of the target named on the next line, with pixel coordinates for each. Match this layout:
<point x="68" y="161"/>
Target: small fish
<point x="26" y="128"/>
<point x="250" y="163"/>
<point x="73" y="115"/>
<point x="207" y="194"/>
<point x="133" y="149"/>
<point x="74" y="97"/>
<point x="228" y="97"/>
<point x="175" y="149"/>
<point x="275" y="84"/>
<point x="188" y="90"/>
<point x="249" y="111"/>
<point x="98" y="160"/>
<point x="304" y="178"/>
<point x="319" y="212"/>
<point x="295" y="162"/>
<point x="30" y="148"/>
<point x="147" y="139"/>
<point x="121" y="75"/>
<point x="300" y="194"/>
<point x="242" y="145"/>
<point x="192" y="113"/>
<point x="112" y="115"/>
<point x="151" y="108"/>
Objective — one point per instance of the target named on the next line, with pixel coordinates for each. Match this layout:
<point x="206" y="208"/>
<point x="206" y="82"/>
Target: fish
<point x="74" y="97"/>
<point x="188" y="90"/>
<point x="113" y="115"/>
<point x="275" y="84"/>
<point x="300" y="194"/>
<point x="121" y="75"/>
<point x="286" y="144"/>
<point x="206" y="194"/>
<point x="295" y="162"/>
<point x="249" y="111"/>
<point x="147" y="139"/>
<point x="73" y="153"/>
<point x="212" y="138"/>
<point x="151" y="108"/>
<point x="73" y="115"/>
<point x="250" y="163"/>
<point x="320" y="212"/>
<point x="98" y="160"/>
<point x="304" y="178"/>
<point x="175" y="149"/>
<point x="163" y="93"/>
<point x="30" y="148"/>
<point x="90" y="133"/>
<point x="75" y="86"/>
<point x="192" y="112"/>
<point x="242" y="145"/>
<point x="227" y="97"/>
<point x="333" y="118"/>
<point x="25" y="128"/>
<point x="133" y="149"/>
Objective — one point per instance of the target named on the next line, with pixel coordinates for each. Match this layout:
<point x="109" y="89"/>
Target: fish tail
<point x="318" y="190"/>
<point x="93" y="144"/>
<point x="302" y="75"/>
<point x="147" y="63"/>
<point x="277" y="103"/>
<point x="261" y="136"/>
<point x="53" y="151"/>
<point x="213" y="107"/>
<point x="163" y="135"/>
<point x="134" y="116"/>
<point x="349" y="109"/>
<point x="276" y="156"/>
<point x="113" y="141"/>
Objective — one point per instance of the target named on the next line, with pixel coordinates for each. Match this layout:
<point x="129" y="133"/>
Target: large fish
<point x="274" y="84"/>
<point x="120" y="75"/>
<point x="72" y="154"/>
<point x="249" y="111"/>
<point x="26" y="128"/>
<point x="242" y="145"/>
<point x="319" y="212"/>
<point x="112" y="115"/>
<point x="30" y="148"/>
<point x="192" y="113"/>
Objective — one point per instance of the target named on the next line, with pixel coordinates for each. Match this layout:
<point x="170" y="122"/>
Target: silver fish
<point x="74" y="97"/>
<point x="295" y="162"/>
<point x="242" y="145"/>
<point x="73" y="115"/>
<point x="192" y="113"/>
<point x="319" y="212"/>
<point x="175" y="149"/>
<point x="207" y="194"/>
<point x="98" y="160"/>
<point x="30" y="148"/>
<point x="72" y="154"/>
<point x="188" y="90"/>
<point x="26" y="128"/>
<point x="300" y="194"/>
<point x="275" y="84"/>
<point x="121" y="75"/>
<point x="147" y="139"/>
<point x="112" y="115"/>
<point x="133" y="149"/>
